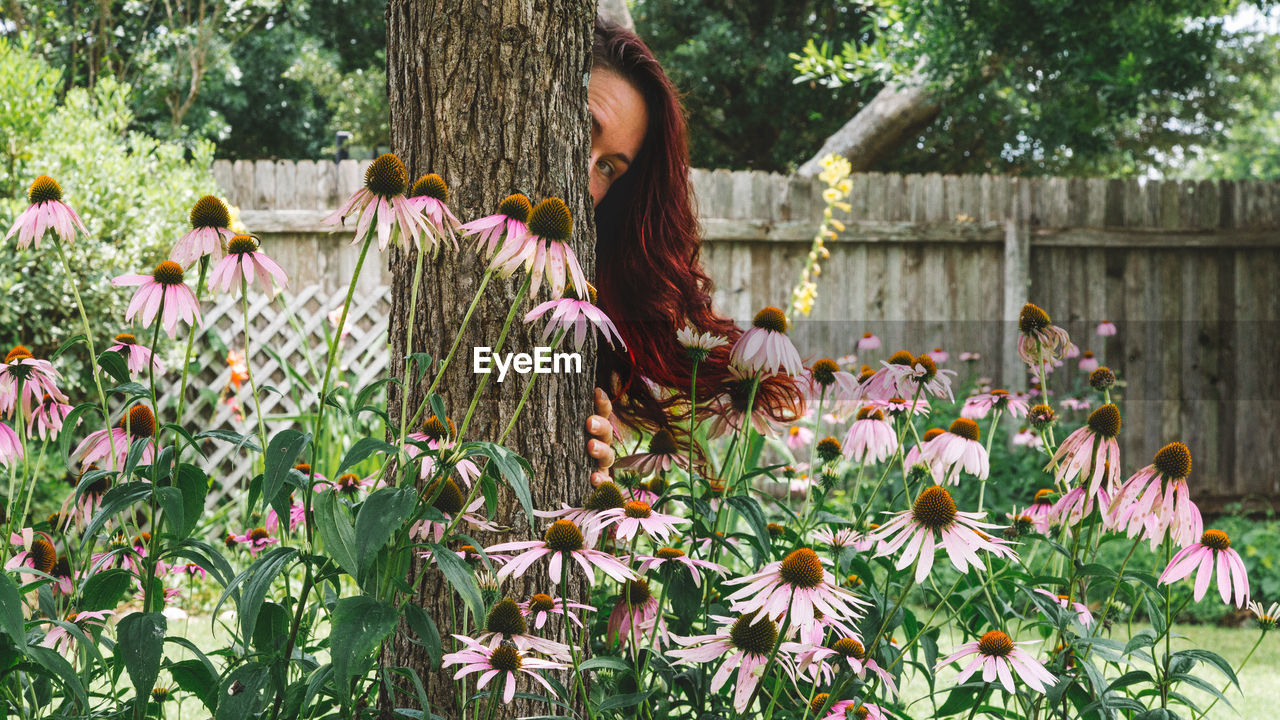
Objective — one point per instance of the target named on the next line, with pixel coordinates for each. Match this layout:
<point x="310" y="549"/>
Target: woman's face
<point x="619" y="119"/>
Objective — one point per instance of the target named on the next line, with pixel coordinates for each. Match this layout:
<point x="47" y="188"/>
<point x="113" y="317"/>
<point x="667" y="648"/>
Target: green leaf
<point x="194" y="485"/>
<point x="460" y="576"/>
<point x="104" y="589"/>
<point x="50" y="660"/>
<point x="130" y="390"/>
<point x="171" y="502"/>
<point x="1213" y="659"/>
<point x="608" y="663"/>
<point x="336" y="531"/>
<point x="360" y="624"/>
<point x="73" y="417"/>
<point x="229" y="436"/>
<point x="194" y="677"/>
<point x="272" y="629"/>
<point x="750" y="510"/>
<point x="241" y="695"/>
<point x="381" y="515"/>
<point x="514" y="470"/>
<point x="282" y="453"/>
<point x="11" y="620"/>
<point x="113" y="501"/>
<point x="425" y="628"/>
<point x="625" y="701"/>
<point x="139" y="645"/>
<point x="70" y="343"/>
<point x="113" y="364"/>
<point x="960" y="698"/>
<point x="257" y="580"/>
<point x="363" y="448"/>
<point x="437" y="407"/>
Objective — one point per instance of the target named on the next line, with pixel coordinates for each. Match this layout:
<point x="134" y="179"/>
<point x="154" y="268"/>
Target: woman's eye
<point x="605" y="168"/>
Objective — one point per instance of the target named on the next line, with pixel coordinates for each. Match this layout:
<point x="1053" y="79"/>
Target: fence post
<point x="1017" y="280"/>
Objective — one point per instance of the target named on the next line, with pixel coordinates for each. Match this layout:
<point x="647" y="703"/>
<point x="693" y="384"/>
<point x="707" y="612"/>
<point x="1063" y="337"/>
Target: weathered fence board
<point x="1188" y="270"/>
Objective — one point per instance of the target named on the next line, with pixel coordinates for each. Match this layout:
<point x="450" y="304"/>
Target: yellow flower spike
<point x="831" y="195"/>
<point x="839" y="226"/>
<point x="844" y="206"/>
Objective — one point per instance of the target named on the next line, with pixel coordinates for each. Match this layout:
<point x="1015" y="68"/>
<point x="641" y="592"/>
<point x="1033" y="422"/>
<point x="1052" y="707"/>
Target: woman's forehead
<point x="618" y="111"/>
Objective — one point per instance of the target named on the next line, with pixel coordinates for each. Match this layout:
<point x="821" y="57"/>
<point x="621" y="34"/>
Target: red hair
<point x="650" y="280"/>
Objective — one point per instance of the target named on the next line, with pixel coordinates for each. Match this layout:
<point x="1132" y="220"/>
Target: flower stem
<point x="457" y="339"/>
<point x="1227" y="687"/>
<point x="991" y="433"/>
<point x="502" y="339"/>
<point x="568" y="636"/>
<point x="555" y="343"/>
<point x="248" y="368"/>
<point x="88" y="338"/>
<point x="408" y="347"/>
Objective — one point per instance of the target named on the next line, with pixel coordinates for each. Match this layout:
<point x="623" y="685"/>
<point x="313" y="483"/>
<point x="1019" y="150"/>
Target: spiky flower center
<point x="551" y="220"/>
<point x="563" y="536"/>
<point x="450" y="499"/>
<point x="141" y="423"/>
<point x="605" y="497"/>
<point x="1102" y="378"/>
<point x="656" y="485"/>
<point x="1174" y="461"/>
<point x="1031" y="319"/>
<point x="430" y="185"/>
<point x="1041" y="416"/>
<point x="1105" y="421"/>
<point x="19" y="352"/>
<point x="168" y="273"/>
<point x="1044" y="496"/>
<point x="1215" y="539"/>
<point x="862" y="713"/>
<point x="849" y="647"/>
<point x="126" y="339"/>
<point x="241" y="244"/>
<point x="637" y="509"/>
<point x="819" y="701"/>
<point x="436" y="430"/>
<point x="43" y="189"/>
<point x="802" y="568"/>
<point x="776" y="530"/>
<point x="771" y="318"/>
<point x="505" y="658"/>
<point x="637" y="592"/>
<point x="348" y="482"/>
<point x="210" y="212"/>
<point x="142" y="539"/>
<point x="663" y="443"/>
<point x="541" y="602"/>
<point x="995" y="644"/>
<point x="934" y="508"/>
<point x="303" y="468"/>
<point x="902" y="357"/>
<point x="258" y="535"/>
<point x="506" y="619"/>
<point x="965" y="428"/>
<point x="824" y="371"/>
<point x="870" y="413"/>
<point x="829" y="448"/>
<point x="62" y="568"/>
<point x="516" y="207"/>
<point x="386" y="176"/>
<point x="754" y="635"/>
<point x="160" y="694"/>
<point x="715" y="487"/>
<point x="43" y="556"/>
<point x="930" y="434"/>
<point x="930" y="367"/>
<point x="669" y="553"/>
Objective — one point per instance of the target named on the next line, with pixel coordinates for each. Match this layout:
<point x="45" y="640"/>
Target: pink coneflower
<point x="744" y="644"/>
<point x="765" y="348"/>
<point x="1083" y="616"/>
<point x="916" y="456"/>
<point x="47" y="418"/>
<point x="1267" y="618"/>
<point x="934" y="512"/>
<point x="210" y="227"/>
<point x="635" y="607"/>
<point x="136" y="356"/>
<point x="665" y="555"/>
<point x="438" y="437"/>
<point x="505" y="623"/>
<point x="63" y="641"/>
<point x="839" y="390"/>
<point x="635" y="516"/>
<point x="45" y="212"/>
<point x="845" y="709"/>
<point x="382" y="199"/>
<point x="544" y="250"/>
<point x="541" y="606"/>
<point x="698" y="345"/>
<point x="1106" y="328"/>
<point x="1214" y="547"/>
<point x="605" y="497"/>
<point x="905" y="375"/>
<point x="998" y="657"/>
<point x="870" y="437"/>
<point x="449" y="500"/>
<point x="1075" y="403"/>
<point x="163" y="288"/>
<point x="38" y="553"/>
<point x="868" y="342"/>
<point x="297" y="512"/>
<point x="959" y="448"/>
<point x="1040" y="341"/>
<point x="728" y="409"/>
<point x="502" y="662"/>
<point x="428" y="197"/>
<point x="347" y="484"/>
<point x="257" y="539"/>
<point x="979" y="406"/>
<point x="25" y="380"/>
<point x="798" y="437"/>
<point x="139" y="422"/>
<point x="574" y="317"/>
<point x="1088" y="363"/>
<point x="898" y="406"/>
<point x="1091" y="452"/>
<point x="1156" y="499"/>
<point x="798" y="584"/>
<point x="970" y="357"/>
<point x="1042" y="510"/>
<point x="1078" y="503"/>
<point x="242" y="263"/>
<point x="939" y="355"/>
<point x="824" y="663"/>
<point x="191" y="570"/>
<point x="664" y="454"/>
<point x="1026" y="437"/>
<point x="563" y="541"/>
<point x="510" y="223"/>
<point x="10" y="446"/>
<point x="842" y="538"/>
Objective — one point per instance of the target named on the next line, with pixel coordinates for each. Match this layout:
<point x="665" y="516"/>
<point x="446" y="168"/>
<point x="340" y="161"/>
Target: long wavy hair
<point x="650" y="280"/>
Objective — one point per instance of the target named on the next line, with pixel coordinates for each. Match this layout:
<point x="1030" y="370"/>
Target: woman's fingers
<point x="604" y="408"/>
<point x="599" y="477"/>
<point x="601" y="432"/>
<point x="602" y="453"/>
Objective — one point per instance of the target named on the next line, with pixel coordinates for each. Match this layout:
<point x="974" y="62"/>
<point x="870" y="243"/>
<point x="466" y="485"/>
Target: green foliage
<point x="728" y="60"/>
<point x="133" y="192"/>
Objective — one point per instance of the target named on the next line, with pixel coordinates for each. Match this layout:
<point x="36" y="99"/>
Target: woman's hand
<point x="600" y="430"/>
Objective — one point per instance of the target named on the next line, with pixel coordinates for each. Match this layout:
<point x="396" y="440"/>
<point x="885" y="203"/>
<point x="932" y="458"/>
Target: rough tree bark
<point x="492" y="96"/>
<point x="897" y="112"/>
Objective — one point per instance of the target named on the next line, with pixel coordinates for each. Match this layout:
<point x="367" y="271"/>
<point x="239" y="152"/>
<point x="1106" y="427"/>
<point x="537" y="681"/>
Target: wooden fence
<point x="1188" y="271"/>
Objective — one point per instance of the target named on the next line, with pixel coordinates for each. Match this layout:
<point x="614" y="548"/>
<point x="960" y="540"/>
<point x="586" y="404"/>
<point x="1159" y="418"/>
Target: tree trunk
<point x="492" y="96"/>
<point x="895" y="114"/>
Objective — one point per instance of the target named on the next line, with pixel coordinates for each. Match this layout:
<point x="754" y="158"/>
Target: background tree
<point x="493" y="97"/>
